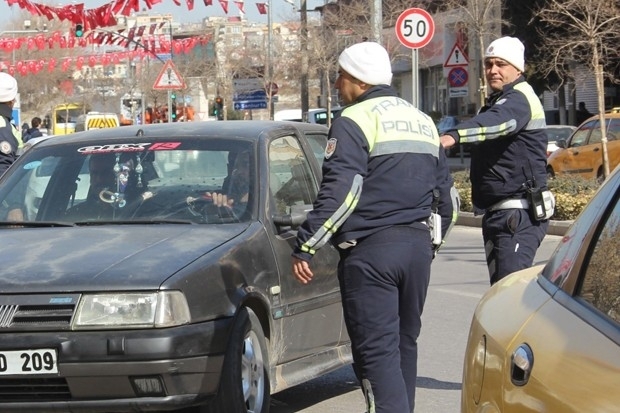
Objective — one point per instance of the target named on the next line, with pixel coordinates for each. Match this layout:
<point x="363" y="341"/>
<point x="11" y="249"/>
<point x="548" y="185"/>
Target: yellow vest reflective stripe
<point x="538" y="113"/>
<point x="537" y="120"/>
<point x="16" y="134"/>
<point x="391" y="126"/>
<point x="334" y="222"/>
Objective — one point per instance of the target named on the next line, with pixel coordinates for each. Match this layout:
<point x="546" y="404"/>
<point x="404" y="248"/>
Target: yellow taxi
<point x="547" y="339"/>
<point x="582" y="153"/>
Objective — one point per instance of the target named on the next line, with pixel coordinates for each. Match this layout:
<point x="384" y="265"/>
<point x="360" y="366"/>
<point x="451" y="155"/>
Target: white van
<point x="320" y="115"/>
<point x="288" y="114"/>
<point x="96" y="120"/>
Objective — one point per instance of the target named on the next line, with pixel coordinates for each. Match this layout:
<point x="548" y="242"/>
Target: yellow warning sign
<point x="100" y="123"/>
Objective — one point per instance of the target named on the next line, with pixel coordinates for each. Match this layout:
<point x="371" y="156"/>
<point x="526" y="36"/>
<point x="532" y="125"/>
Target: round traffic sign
<point x="415" y="28"/>
<point x="457" y="77"/>
<point x="272" y="88"/>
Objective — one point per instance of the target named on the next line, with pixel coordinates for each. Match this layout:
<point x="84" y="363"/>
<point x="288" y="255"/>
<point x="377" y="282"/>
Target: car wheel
<point x="244" y="386"/>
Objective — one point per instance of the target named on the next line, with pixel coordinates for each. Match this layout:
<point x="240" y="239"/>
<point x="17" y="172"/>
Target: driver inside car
<point x="236" y="191"/>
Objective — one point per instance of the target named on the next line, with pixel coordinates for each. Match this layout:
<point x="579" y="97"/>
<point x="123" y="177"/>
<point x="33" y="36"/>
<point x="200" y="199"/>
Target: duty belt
<point x="510" y="204"/>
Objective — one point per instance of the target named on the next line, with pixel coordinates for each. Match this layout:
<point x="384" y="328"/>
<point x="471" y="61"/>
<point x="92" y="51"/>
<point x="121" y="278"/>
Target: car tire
<point x="244" y="386"/>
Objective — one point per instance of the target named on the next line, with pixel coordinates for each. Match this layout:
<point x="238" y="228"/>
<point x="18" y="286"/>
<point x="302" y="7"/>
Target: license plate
<point x="41" y="361"/>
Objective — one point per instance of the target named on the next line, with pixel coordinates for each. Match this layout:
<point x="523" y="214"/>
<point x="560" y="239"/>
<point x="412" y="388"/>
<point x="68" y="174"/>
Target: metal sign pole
<point x="415" y="90"/>
<point x="169" y="108"/>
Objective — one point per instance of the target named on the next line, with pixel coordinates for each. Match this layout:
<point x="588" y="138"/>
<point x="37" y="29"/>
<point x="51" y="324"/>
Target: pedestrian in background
<point x="34" y="131"/>
<point x="383" y="164"/>
<point x="10" y="137"/>
<point x="582" y="113"/>
<point x="508" y="162"/>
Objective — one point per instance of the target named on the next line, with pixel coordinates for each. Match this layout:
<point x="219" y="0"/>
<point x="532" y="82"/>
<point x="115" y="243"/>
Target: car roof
<point x="614" y="113"/>
<point x="562" y="126"/>
<point x="224" y="129"/>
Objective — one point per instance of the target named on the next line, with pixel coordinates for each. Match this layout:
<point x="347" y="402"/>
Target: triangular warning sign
<point x="457" y="57"/>
<point x="169" y="78"/>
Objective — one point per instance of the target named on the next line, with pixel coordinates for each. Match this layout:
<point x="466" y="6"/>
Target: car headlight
<point x="131" y="310"/>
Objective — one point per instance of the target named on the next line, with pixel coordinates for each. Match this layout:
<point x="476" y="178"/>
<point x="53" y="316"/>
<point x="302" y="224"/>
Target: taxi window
<point x="601" y="284"/>
<point x="612" y="132"/>
<point x="581" y="135"/>
<point x="613" y="129"/>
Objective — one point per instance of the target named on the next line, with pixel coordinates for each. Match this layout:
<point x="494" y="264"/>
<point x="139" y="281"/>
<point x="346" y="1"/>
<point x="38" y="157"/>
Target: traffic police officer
<point x="508" y="162"/>
<point x="10" y="137"/>
<point x="383" y="165"/>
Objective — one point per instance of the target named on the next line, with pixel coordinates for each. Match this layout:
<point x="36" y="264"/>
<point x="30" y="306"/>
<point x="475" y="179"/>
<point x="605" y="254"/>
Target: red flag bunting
<point x="224" y="4"/>
<point x="262" y="8"/>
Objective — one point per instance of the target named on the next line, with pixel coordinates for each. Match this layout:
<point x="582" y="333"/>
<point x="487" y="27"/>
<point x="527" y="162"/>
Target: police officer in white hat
<point x="384" y="169"/>
<point x="508" y="162"/>
<point x="10" y="137"/>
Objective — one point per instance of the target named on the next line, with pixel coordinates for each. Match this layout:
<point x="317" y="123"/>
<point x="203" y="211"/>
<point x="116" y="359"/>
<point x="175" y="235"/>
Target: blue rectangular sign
<point x="254" y="95"/>
<point x="249" y="104"/>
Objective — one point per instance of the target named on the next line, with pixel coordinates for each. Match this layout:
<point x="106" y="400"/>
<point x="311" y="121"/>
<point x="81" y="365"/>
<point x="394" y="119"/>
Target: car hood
<point x="99" y="258"/>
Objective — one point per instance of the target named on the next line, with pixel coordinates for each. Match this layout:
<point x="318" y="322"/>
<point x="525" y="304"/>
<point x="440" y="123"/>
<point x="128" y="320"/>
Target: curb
<point x="555" y="227"/>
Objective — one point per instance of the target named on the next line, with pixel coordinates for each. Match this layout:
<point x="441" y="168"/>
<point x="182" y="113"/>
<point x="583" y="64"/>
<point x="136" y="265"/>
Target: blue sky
<point x="281" y="9"/>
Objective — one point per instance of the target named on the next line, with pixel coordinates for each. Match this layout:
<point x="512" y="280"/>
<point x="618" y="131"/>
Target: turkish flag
<point x="224" y="4"/>
<point x="262" y="8"/>
<point x="240" y="6"/>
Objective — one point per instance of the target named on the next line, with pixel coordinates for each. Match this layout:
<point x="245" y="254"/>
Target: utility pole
<point x="305" y="105"/>
<point x="270" y="56"/>
<point x="172" y="60"/>
<point x="376" y="19"/>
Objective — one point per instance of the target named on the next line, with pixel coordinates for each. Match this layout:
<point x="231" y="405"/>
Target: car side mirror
<point x="295" y="218"/>
<point x="562" y="143"/>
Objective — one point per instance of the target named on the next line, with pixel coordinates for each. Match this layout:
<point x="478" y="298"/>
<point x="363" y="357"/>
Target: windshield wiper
<point x="35" y="224"/>
<point x="135" y="222"/>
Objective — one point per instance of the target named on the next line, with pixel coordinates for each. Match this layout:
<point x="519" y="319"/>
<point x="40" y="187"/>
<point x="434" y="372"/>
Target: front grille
<point x="26" y="390"/>
<point x="37" y="312"/>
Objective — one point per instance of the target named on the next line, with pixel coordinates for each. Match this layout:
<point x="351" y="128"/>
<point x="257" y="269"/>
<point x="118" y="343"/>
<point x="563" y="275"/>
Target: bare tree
<point x="584" y="32"/>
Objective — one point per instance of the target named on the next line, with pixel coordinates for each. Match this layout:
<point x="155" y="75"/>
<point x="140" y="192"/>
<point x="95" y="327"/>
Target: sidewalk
<point x="468" y="219"/>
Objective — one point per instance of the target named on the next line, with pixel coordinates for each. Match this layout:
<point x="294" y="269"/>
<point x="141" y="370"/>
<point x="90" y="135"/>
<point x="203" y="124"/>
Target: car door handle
<point x="596" y="149"/>
<point x="522" y="361"/>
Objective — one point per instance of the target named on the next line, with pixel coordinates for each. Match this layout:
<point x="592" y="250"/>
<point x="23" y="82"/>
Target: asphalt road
<point x="458" y="280"/>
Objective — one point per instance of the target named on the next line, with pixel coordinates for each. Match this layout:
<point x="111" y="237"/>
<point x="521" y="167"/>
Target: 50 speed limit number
<point x="415" y="28"/>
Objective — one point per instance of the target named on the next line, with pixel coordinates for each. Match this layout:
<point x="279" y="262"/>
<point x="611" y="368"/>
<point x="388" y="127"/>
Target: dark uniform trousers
<point x="511" y="238"/>
<point x="383" y="282"/>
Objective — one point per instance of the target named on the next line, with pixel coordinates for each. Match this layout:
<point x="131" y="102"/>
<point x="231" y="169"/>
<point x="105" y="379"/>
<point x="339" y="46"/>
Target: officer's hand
<point x="302" y="271"/>
<point x="447" y="141"/>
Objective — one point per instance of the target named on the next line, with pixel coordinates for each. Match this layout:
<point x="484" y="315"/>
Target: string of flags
<point x="151" y="44"/>
<point x="104" y="16"/>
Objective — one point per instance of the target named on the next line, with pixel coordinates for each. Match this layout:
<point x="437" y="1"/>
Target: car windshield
<point x="133" y="181"/>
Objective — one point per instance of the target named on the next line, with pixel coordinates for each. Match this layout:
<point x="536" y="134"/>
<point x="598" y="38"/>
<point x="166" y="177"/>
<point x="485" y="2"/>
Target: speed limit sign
<point x="415" y="28"/>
